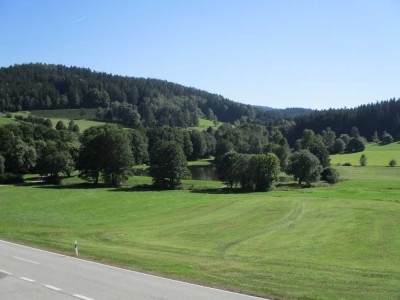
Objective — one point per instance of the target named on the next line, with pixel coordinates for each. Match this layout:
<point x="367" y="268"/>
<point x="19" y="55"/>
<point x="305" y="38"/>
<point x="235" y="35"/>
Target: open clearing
<point x="335" y="242"/>
<point x="74" y="114"/>
<point x="204" y="124"/>
<point x="86" y="121"/>
<point x="4" y="120"/>
<point x="377" y="155"/>
<point x="64" y="115"/>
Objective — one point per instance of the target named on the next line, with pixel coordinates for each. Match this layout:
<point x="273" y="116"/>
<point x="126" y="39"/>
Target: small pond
<point x="198" y="172"/>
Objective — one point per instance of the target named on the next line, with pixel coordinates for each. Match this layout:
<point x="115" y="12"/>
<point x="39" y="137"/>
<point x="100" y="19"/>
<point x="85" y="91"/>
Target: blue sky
<point x="315" y="54"/>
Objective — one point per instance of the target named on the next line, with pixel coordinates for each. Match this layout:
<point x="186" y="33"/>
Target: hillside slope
<point x="157" y="102"/>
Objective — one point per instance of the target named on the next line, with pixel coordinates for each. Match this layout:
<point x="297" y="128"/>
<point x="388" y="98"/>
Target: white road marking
<point x="52" y="287"/>
<point x="82" y="297"/>
<point x="5" y="272"/>
<point x="132" y="271"/>
<point x="31" y="261"/>
<point x="27" y="279"/>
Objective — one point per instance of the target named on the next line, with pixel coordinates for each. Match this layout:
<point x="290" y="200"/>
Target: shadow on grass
<point x="292" y="186"/>
<point x="223" y="191"/>
<point x="220" y="191"/>
<point x="83" y="185"/>
<point x="227" y="190"/>
<point x="282" y="186"/>
<point x="88" y="185"/>
<point x="33" y="178"/>
<point x="138" y="188"/>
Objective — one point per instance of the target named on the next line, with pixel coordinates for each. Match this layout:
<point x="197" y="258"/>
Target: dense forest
<point x="377" y="117"/>
<point x="290" y="112"/>
<point x="155" y="102"/>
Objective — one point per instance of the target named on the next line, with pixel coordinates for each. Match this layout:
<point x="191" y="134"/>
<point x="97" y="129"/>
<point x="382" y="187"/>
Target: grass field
<point x="62" y="115"/>
<point x="204" y="124"/>
<point x="86" y="121"/>
<point x="336" y="242"/>
<point x="201" y="162"/>
<point x="90" y="113"/>
<point x="376" y="155"/>
<point x="4" y="120"/>
<point x="66" y="115"/>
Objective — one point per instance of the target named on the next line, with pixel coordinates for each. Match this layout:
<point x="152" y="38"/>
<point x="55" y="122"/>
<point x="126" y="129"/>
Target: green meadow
<point x="64" y="115"/>
<point x="70" y="114"/>
<point x="326" y="242"/>
<point x="4" y="120"/>
<point x="377" y="155"/>
<point x="86" y="121"/>
<point x="201" y="162"/>
<point x="204" y="124"/>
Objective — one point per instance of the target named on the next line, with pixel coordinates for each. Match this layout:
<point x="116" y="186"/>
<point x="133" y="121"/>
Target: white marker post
<point x="76" y="248"/>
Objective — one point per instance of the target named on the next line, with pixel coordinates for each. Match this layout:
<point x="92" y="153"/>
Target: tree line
<point x="107" y="153"/>
<point x="372" y="120"/>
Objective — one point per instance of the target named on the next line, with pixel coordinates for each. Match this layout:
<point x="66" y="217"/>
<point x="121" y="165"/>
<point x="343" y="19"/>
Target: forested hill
<point x="289" y="112"/>
<point x="381" y="116"/>
<point x="155" y="102"/>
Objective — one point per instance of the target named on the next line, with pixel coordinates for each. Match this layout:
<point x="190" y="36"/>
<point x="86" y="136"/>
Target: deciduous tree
<point x="387" y="138"/>
<point x="264" y="170"/>
<point x="339" y="146"/>
<point x="356" y="145"/>
<point x="330" y="175"/>
<point x="304" y="166"/>
<point x="53" y="161"/>
<point x="2" y="167"/>
<point x="363" y="160"/>
<point x="227" y="168"/>
<point x="106" y="151"/>
<point x="167" y="165"/>
<point x="60" y="125"/>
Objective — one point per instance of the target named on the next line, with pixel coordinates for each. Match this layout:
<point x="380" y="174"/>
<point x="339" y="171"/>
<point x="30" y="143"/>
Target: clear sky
<point x="315" y="54"/>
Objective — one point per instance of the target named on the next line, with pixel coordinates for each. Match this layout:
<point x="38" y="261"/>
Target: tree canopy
<point x="264" y="170"/>
<point x="54" y="160"/>
<point x="304" y="166"/>
<point x="362" y="120"/>
<point x="167" y="164"/>
<point x="106" y="151"/>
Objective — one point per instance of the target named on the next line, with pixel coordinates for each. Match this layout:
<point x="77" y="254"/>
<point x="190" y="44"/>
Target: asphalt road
<point x="29" y="273"/>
